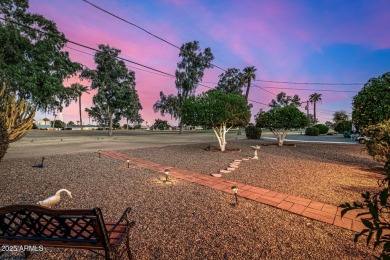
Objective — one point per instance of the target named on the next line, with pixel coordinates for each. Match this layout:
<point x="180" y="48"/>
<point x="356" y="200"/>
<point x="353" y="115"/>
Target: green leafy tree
<point x="340" y="115"/>
<point x="160" y="124"/>
<point x="114" y="83"/>
<point x="131" y="108"/>
<point x="217" y="110"/>
<point x="372" y="104"/>
<point x="45" y="120"/>
<point x="249" y="74"/>
<point x="329" y="124"/>
<point x="282" y="100"/>
<point x="231" y="81"/>
<point x="375" y="208"/>
<point x="71" y="123"/>
<point x="280" y="120"/>
<point x="189" y="74"/>
<point x="32" y="62"/>
<point x="58" y="124"/>
<point x="343" y="126"/>
<point x="315" y="98"/>
<point x="78" y="91"/>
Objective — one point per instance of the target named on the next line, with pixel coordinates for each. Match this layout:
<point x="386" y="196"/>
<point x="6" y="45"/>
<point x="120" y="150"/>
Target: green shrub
<point x="375" y="206"/>
<point x="4" y="139"/>
<point x="343" y="126"/>
<point x="322" y="128"/>
<point x="253" y="132"/>
<point x="347" y="134"/>
<point x="312" y="131"/>
<point x="34" y="126"/>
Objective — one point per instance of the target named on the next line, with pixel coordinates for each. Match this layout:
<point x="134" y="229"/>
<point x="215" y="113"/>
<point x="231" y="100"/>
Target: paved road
<point x="46" y="143"/>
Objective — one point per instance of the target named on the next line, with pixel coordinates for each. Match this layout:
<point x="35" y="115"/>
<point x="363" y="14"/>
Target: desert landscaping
<point x="183" y="220"/>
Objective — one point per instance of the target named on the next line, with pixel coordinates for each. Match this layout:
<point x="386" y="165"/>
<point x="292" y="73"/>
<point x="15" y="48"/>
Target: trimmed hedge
<point x="253" y="132"/>
<point x="312" y="131"/>
<point x="322" y="128"/>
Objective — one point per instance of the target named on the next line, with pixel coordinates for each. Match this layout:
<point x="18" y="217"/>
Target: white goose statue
<point x="53" y="200"/>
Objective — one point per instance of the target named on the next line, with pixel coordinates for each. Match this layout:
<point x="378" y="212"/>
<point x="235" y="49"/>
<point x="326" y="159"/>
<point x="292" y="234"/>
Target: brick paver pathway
<point x="308" y="208"/>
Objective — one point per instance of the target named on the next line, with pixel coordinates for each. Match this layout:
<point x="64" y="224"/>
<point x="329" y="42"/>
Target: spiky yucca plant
<point x="17" y="115"/>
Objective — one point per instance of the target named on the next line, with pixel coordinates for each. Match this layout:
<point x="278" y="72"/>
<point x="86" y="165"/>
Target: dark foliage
<point x="312" y="131"/>
<point x="253" y="132"/>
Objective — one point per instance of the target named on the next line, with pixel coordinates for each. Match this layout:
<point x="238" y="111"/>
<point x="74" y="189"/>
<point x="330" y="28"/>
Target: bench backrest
<point x="32" y="224"/>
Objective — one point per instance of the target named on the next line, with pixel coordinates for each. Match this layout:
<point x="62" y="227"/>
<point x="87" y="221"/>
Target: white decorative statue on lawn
<point x="53" y="200"/>
<point x="256" y="148"/>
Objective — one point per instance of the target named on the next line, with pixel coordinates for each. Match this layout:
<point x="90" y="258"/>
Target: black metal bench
<point x="33" y="225"/>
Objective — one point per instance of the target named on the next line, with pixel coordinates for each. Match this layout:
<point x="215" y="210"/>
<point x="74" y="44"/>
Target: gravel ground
<point x="182" y="220"/>
<point x="328" y="173"/>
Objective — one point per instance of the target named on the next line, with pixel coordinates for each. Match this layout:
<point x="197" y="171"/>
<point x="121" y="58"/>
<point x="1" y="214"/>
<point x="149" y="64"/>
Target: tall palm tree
<point x="314" y="98"/>
<point x="78" y="90"/>
<point x="249" y="74"/>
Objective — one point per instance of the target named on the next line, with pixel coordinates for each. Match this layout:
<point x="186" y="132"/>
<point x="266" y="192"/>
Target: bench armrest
<point x="123" y="218"/>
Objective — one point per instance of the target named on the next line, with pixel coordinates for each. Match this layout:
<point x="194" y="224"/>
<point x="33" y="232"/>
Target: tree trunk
<point x="247" y="89"/>
<point x="110" y="122"/>
<point x="81" y="120"/>
<point x="181" y="127"/>
<point x="127" y="124"/>
<point x="280" y="140"/>
<point x="315" y="114"/>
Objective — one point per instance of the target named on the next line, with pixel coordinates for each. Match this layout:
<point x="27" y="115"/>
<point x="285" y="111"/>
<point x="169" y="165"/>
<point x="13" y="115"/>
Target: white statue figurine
<point x="53" y="200"/>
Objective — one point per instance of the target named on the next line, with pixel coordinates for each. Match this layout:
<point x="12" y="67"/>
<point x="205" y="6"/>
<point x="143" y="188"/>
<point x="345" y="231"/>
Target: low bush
<point x="312" y="131"/>
<point x="347" y="134"/>
<point x="322" y="128"/>
<point x="253" y="132"/>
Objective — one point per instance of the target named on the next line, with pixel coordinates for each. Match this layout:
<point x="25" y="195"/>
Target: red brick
<point x="271" y="193"/>
<point x="297" y="209"/>
<point x="259" y="190"/>
<point x="320" y="212"/>
<point x="317" y="217"/>
<point x="352" y="214"/>
<point x="272" y="198"/>
<point x="280" y="196"/>
<point x="343" y="222"/>
<point x="316" y="205"/>
<point x="253" y="196"/>
<point x="266" y="201"/>
<point x="244" y="193"/>
<point x="285" y="205"/>
<point x="298" y="200"/>
<point x="244" y="187"/>
<point x="358" y="226"/>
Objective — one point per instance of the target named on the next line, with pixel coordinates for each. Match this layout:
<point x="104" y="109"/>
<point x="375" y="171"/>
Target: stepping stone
<point x="237" y="160"/>
<point x="224" y="171"/>
<point x="216" y="175"/>
<point x="233" y="166"/>
<point x="230" y="169"/>
<point x="245" y="159"/>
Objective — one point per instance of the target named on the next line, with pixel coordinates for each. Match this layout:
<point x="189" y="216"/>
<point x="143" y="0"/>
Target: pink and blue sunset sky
<point x="334" y="41"/>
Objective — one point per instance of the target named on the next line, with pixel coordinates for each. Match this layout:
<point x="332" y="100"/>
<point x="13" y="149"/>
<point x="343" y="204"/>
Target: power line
<point x="139" y="27"/>
<point x="312" y="89"/>
<point x="90" y="54"/>
<point x="85" y="46"/>
<point x="311" y="83"/>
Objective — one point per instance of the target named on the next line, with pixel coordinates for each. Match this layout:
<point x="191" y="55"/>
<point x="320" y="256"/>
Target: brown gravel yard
<point x="186" y="221"/>
<point x="328" y="173"/>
